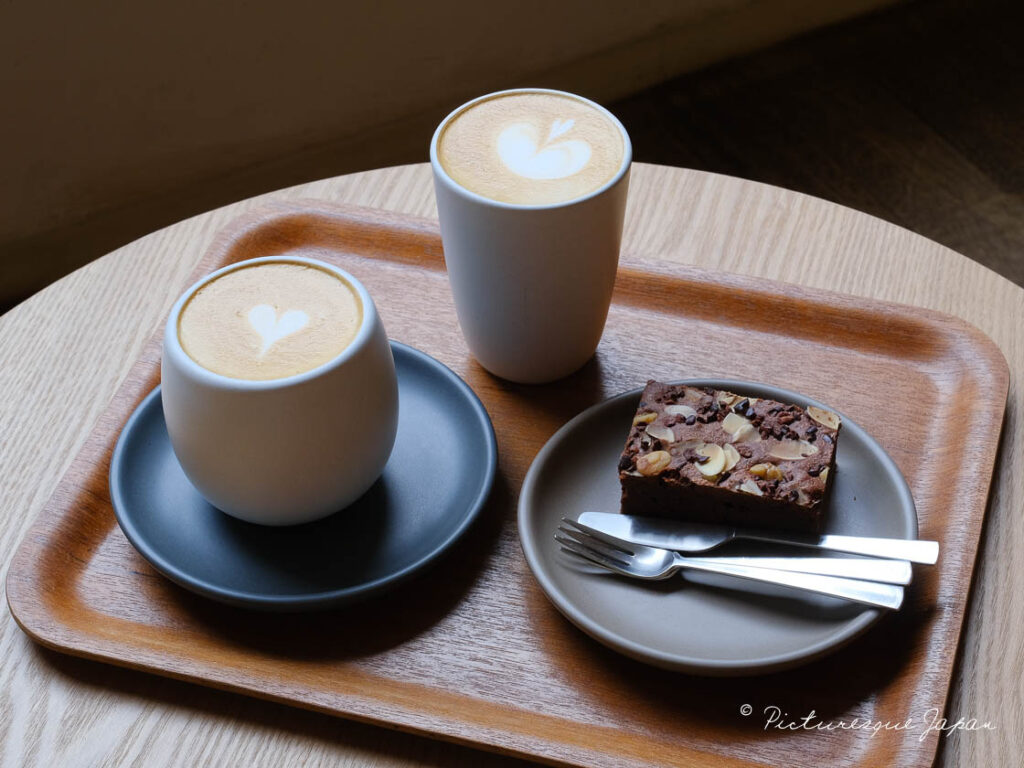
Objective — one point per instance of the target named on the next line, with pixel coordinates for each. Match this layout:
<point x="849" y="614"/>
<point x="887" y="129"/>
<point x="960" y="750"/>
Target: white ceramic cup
<point x="532" y="283"/>
<point x="289" y="450"/>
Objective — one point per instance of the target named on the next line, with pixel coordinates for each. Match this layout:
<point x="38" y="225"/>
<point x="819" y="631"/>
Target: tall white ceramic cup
<point x="289" y="450"/>
<point x="532" y="283"/>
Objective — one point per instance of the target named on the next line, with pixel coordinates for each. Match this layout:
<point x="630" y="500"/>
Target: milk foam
<point x="531" y="148"/>
<point x="269" y="321"/>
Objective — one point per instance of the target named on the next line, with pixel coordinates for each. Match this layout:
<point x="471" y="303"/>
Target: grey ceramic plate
<point x="434" y="485"/>
<point x="702" y="627"/>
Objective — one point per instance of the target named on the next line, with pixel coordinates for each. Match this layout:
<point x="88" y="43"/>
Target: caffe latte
<point x="269" y="320"/>
<point x="531" y="148"/>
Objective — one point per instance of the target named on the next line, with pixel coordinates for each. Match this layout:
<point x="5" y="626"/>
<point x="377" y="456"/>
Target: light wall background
<point x="122" y="117"/>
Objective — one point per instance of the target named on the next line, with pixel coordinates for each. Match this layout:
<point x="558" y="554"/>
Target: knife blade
<point x="701" y="537"/>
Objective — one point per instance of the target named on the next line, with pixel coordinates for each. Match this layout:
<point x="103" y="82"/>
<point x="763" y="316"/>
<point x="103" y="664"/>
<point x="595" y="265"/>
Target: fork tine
<point x="596" y="544"/>
<point x="564" y="537"/>
<point x="608" y="542"/>
<point x="584" y="556"/>
<point x="586" y="553"/>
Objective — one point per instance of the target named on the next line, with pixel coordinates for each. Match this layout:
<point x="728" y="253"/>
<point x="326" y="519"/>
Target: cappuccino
<point x="531" y="148"/>
<point x="269" y="321"/>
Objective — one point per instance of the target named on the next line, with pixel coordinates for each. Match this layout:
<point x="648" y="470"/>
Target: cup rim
<point x="174" y="349"/>
<point x="442" y="175"/>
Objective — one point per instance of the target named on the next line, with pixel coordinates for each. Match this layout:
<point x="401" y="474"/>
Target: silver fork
<point x="653" y="563"/>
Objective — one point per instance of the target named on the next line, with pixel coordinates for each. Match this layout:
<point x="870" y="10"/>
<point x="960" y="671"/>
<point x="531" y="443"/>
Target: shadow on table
<point x="841" y="686"/>
<point x="382" y="623"/>
<point x="368" y="626"/>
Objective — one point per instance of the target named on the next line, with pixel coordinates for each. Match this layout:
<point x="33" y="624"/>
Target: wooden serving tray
<point x="472" y="651"/>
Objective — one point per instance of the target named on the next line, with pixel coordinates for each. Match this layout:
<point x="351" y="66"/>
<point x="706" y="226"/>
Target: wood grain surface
<point x="64" y="353"/>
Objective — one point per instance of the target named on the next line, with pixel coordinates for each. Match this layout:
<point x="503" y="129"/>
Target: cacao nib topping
<point x="798" y="488"/>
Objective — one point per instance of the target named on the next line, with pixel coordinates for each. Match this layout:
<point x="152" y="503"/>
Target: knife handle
<point x="867" y="592"/>
<point x="914" y="550"/>
<point x="867" y="569"/>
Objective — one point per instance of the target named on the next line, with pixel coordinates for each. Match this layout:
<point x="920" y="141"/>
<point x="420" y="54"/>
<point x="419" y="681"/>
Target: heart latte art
<point x="268" y="321"/>
<point x="522" y="154"/>
<point x="264" y="320"/>
<point x="531" y="148"/>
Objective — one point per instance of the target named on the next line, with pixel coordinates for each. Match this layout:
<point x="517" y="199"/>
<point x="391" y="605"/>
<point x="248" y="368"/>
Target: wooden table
<point x="63" y="353"/>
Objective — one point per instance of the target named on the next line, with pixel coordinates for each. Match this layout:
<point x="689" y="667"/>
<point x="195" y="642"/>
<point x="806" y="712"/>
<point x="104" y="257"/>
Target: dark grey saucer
<point x="696" y="624"/>
<point x="434" y="485"/>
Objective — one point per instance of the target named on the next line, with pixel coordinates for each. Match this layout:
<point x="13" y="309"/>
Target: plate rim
<point x="313" y="600"/>
<point x="679" y="662"/>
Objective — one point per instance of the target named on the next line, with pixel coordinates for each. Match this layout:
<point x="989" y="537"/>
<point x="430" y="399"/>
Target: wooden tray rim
<point x="72" y="640"/>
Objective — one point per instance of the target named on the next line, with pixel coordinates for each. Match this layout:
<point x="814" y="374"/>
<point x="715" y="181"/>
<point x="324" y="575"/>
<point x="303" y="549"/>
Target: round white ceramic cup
<point x="532" y="283"/>
<point x="289" y="450"/>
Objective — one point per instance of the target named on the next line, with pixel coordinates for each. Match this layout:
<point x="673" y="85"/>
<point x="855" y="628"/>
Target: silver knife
<point x="701" y="537"/>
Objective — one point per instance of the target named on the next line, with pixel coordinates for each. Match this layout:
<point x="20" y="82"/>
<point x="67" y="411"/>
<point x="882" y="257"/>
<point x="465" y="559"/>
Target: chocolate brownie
<point x="708" y="455"/>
